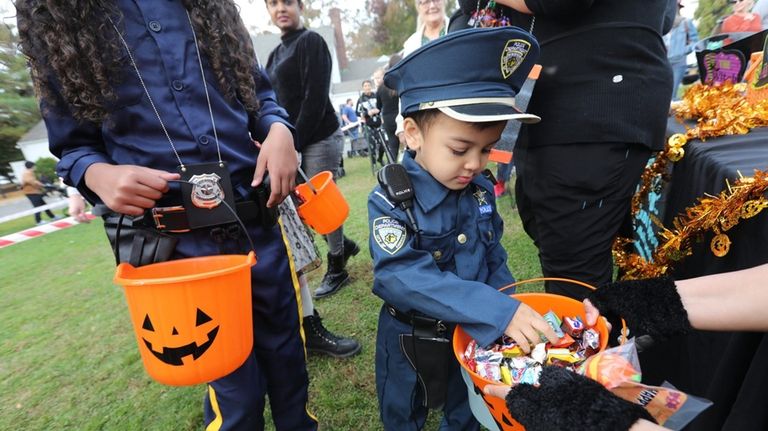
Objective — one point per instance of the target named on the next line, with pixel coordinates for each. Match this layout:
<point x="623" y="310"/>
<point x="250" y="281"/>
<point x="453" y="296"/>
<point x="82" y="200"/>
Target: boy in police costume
<point x="440" y="262"/>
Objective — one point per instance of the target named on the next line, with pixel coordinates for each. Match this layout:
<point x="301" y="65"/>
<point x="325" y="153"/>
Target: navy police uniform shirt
<point x="165" y="53"/>
<point x="459" y="263"/>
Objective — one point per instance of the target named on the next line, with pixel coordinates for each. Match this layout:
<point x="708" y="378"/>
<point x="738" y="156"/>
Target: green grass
<point x="68" y="359"/>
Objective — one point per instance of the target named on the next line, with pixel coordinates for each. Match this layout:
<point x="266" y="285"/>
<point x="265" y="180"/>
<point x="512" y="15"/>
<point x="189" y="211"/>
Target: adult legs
<point x="321" y="156"/>
<point x="573" y="200"/>
<point x="38" y="201"/>
<point x="678" y="72"/>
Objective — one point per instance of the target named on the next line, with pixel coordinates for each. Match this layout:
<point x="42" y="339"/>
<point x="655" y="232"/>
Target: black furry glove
<point x="650" y="307"/>
<point x="565" y="400"/>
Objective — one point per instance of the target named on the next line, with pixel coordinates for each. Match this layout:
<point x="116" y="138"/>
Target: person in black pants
<point x="300" y="69"/>
<point x="388" y="103"/>
<point x="34" y="191"/>
<point x="603" y="96"/>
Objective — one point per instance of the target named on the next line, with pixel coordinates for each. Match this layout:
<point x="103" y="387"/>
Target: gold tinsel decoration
<point x="718" y="111"/>
<point x="718" y="214"/>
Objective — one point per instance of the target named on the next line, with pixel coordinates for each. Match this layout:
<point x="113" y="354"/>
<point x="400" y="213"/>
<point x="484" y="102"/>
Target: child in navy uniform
<point x="443" y="263"/>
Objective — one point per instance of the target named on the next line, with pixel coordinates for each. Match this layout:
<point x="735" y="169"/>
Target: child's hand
<point x="128" y="189"/>
<point x="278" y="157"/>
<point x="526" y="327"/>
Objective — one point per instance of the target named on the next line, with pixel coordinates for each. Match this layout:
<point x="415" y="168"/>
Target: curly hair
<point x="72" y="43"/>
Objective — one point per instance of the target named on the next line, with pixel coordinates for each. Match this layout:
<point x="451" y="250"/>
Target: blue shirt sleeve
<point x="77" y="144"/>
<point x="409" y="279"/>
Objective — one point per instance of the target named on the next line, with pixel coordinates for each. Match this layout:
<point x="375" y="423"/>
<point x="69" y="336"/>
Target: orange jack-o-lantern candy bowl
<point x="499" y="414"/>
<point x="192" y="317"/>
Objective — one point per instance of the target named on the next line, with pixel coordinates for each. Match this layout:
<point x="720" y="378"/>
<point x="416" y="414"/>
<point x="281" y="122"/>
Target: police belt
<point x="417" y="321"/>
<point x="174" y="218"/>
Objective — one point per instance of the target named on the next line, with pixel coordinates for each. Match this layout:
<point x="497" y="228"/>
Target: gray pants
<point x="325" y="155"/>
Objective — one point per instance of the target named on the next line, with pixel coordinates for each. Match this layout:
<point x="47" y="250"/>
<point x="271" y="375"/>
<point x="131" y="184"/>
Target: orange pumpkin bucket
<point x="491" y="411"/>
<point x="192" y="317"/>
<point x="324" y="208"/>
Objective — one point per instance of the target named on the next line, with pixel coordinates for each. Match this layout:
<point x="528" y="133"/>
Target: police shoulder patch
<point x="513" y="55"/>
<point x="389" y="233"/>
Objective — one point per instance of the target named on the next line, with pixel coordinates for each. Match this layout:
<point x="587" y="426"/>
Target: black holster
<point x="428" y="350"/>
<point x="136" y="244"/>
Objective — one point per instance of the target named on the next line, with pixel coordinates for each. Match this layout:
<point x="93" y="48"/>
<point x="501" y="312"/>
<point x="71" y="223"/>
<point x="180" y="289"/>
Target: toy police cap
<point x="471" y="75"/>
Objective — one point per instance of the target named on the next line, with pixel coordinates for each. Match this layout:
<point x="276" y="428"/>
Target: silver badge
<point x="206" y="190"/>
<point x="513" y="55"/>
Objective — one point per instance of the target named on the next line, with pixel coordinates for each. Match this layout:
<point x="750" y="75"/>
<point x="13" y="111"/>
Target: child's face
<point x="452" y="151"/>
<point x="285" y="14"/>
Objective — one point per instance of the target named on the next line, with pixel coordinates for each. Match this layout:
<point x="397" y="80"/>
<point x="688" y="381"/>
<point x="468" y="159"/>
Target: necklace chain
<point x="152" y="103"/>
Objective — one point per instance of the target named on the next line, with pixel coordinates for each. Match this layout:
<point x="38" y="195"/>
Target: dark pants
<point x="393" y="143"/>
<point x="573" y="201"/>
<point x="37" y="201"/>
<point x="276" y="367"/>
<point x="401" y="397"/>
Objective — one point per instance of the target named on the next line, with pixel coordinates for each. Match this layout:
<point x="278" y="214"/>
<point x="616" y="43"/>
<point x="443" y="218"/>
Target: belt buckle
<point x="159" y="212"/>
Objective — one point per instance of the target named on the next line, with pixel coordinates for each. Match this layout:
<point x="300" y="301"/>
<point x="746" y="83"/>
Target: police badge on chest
<point x="206" y="189"/>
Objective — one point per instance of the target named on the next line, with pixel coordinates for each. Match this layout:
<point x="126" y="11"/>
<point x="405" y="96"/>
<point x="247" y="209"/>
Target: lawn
<point x="68" y="359"/>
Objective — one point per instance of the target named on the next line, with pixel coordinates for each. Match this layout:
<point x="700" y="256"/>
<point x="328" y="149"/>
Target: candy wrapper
<point x="618" y="369"/>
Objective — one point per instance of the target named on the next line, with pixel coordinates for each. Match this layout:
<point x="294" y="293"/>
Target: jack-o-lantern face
<point x="173" y="355"/>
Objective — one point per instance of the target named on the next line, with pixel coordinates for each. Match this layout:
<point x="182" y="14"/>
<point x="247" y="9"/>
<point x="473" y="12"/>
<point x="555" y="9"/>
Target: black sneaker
<point x="321" y="340"/>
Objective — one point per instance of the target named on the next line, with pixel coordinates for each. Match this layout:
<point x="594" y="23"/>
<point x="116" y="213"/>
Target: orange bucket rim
<point x="250" y="260"/>
<point x="325" y="176"/>
<point x="459" y="353"/>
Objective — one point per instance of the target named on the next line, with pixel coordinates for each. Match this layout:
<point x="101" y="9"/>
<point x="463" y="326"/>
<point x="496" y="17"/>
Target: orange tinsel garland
<point x="720" y="110"/>
<point x="744" y="199"/>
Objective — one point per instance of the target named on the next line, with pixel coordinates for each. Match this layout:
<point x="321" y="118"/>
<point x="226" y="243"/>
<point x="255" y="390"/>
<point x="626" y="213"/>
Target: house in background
<point x="347" y="75"/>
<point x="34" y="146"/>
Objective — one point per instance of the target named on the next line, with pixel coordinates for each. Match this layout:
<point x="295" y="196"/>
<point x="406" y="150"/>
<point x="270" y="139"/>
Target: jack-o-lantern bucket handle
<point x="624" y="336"/>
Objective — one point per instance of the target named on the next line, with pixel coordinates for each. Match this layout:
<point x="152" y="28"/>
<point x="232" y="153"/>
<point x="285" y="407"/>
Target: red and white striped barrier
<point x="39" y="231"/>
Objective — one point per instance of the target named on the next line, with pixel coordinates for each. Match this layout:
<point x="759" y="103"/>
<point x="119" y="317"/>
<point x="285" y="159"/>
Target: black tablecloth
<point x="731" y="369"/>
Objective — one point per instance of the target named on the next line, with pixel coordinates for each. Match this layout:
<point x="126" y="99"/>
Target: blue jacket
<point x="680" y="41"/>
<point x="459" y="263"/>
<point x="161" y="41"/>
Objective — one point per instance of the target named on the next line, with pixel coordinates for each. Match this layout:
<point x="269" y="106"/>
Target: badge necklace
<point x="201" y="182"/>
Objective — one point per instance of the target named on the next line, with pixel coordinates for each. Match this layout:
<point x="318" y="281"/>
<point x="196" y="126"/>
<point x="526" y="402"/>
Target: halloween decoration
<point x="542" y="303"/>
<point x="323" y="206"/>
<point x="192" y="317"/>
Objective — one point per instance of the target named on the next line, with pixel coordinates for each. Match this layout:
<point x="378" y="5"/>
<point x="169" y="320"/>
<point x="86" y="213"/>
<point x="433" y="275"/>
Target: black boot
<point x="335" y="277"/>
<point x="350" y="249"/>
<point x="321" y="340"/>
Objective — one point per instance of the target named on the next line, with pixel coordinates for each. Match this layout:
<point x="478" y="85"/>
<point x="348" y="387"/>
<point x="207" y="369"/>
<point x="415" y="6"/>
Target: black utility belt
<point x="176" y="218"/>
<point x="416" y="320"/>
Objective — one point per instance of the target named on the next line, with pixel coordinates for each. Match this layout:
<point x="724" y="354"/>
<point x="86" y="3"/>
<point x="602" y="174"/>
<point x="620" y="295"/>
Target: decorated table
<point x="730" y="369"/>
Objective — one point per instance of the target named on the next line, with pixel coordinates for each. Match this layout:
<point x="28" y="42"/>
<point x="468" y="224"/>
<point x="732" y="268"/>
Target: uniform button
<point x="437" y="254"/>
<point x="617" y="79"/>
<point x="203" y="140"/>
<point x="177" y="85"/>
<point x="155" y="26"/>
<point x="461" y="238"/>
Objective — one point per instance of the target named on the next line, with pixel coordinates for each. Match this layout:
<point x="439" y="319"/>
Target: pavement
<point x="16" y="202"/>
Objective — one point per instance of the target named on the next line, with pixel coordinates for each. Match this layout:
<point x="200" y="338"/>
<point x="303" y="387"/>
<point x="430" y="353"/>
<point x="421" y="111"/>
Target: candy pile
<point x="506" y="362"/>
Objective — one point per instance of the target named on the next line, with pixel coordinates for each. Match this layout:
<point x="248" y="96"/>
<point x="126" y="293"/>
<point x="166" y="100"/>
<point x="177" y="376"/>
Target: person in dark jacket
<point x="603" y="96"/>
<point x="300" y="69"/>
<point x="388" y="102"/>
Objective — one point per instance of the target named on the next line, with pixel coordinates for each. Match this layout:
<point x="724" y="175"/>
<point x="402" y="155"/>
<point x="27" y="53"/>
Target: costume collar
<point x="428" y="191"/>
<point x="292" y="35"/>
